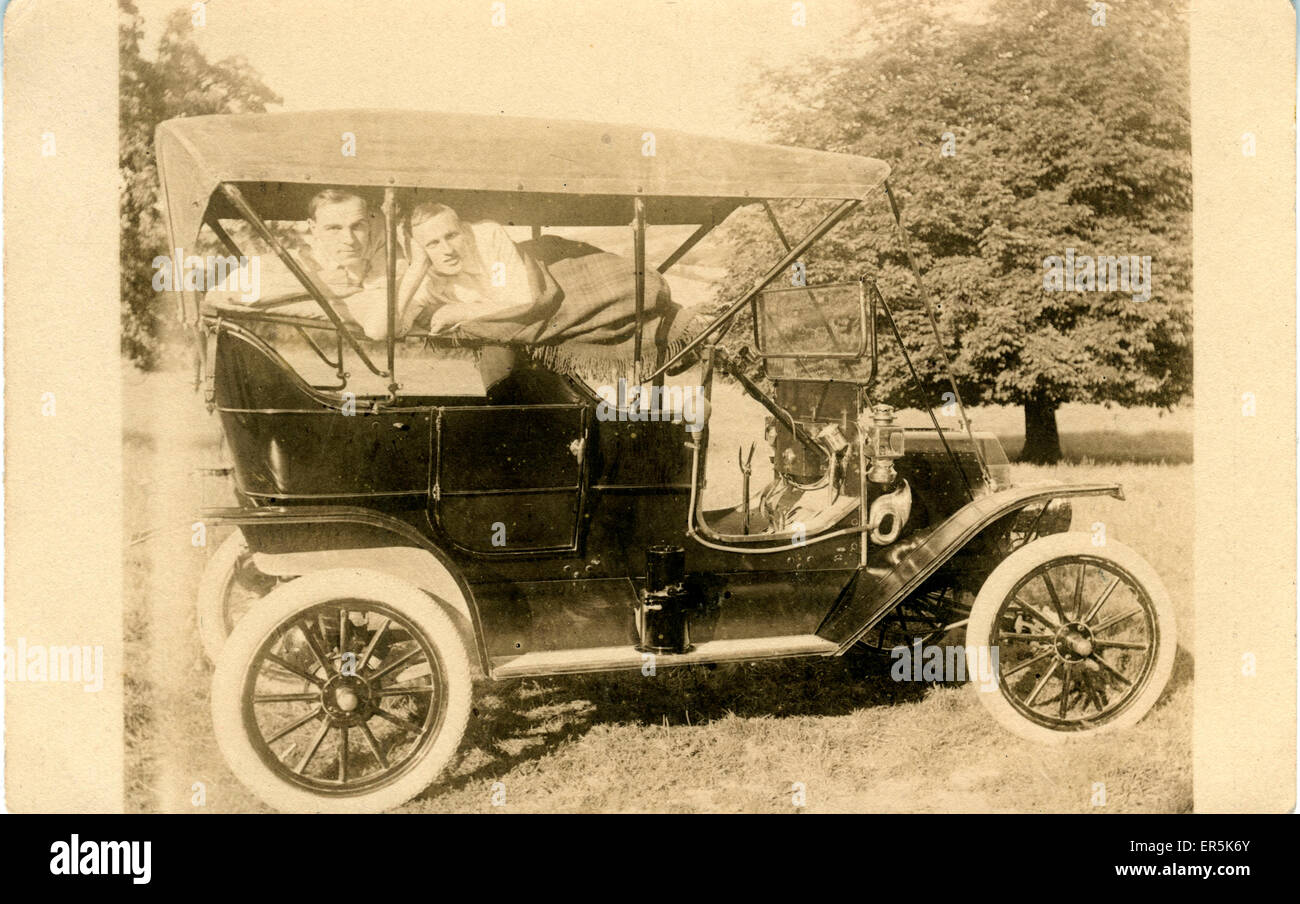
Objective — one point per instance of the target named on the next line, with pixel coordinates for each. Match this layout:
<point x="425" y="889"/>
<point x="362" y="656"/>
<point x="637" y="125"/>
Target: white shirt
<point x="493" y="277"/>
<point x="369" y="272"/>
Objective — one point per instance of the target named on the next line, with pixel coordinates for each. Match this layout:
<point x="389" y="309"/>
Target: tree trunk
<point x="1042" y="442"/>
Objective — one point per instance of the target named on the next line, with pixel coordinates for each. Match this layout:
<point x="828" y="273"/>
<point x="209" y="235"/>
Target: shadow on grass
<point x="1109" y="447"/>
<point x="524" y="720"/>
<point x="1182" y="675"/>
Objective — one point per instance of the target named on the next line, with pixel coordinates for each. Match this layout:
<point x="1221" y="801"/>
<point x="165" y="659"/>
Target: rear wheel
<point x="229" y="586"/>
<point x="1081" y="638"/>
<point x="344" y="691"/>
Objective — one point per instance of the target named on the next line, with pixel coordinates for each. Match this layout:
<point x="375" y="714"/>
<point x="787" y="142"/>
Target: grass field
<point x="733" y="738"/>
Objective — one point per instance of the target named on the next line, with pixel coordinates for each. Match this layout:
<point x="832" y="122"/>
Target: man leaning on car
<point x="346" y="254"/>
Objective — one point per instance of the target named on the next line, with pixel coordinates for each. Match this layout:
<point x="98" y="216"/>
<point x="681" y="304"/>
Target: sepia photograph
<point x="466" y="403"/>
<point x="666" y="407"/>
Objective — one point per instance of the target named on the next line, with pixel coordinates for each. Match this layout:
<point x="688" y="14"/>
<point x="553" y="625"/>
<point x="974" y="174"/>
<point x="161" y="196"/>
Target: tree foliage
<point x="1064" y="134"/>
<point x="177" y="81"/>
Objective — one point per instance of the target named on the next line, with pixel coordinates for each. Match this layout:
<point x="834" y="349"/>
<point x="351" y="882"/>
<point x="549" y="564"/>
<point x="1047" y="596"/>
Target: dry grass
<point x="730" y="738"/>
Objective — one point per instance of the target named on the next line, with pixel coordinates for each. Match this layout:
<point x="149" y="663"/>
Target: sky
<point x="668" y="63"/>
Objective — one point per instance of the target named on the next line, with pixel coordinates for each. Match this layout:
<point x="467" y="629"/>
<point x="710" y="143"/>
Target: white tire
<point x="220" y="600"/>
<point x="391" y="610"/>
<point x="1040" y="653"/>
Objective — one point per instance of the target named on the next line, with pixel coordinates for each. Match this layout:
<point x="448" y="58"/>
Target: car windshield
<point x="814" y="332"/>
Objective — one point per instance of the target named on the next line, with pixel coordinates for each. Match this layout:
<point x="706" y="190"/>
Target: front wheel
<point x="1075" y="639"/>
<point x="343" y="691"/>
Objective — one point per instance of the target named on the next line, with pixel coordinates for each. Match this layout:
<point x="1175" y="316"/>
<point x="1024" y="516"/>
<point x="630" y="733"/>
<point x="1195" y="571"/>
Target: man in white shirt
<point x="475" y="284"/>
<point x="464" y="270"/>
<point x="461" y="271"/>
<point x="346" y="254"/>
<point x="347" y="242"/>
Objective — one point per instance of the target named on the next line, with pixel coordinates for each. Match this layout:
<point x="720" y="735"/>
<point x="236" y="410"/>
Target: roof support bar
<point x="790" y="257"/>
<point x="224" y="237"/>
<point x="309" y="282"/>
<point x="189" y="298"/>
<point x="934" y="327"/>
<point x="684" y="248"/>
<point x="390" y="265"/>
<point x="638" y="244"/>
<point x="929" y="409"/>
<point x="771" y="218"/>
<point x="717" y="213"/>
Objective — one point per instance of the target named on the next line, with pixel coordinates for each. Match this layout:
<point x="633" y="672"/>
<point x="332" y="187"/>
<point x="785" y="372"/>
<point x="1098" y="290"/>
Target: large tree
<point x="177" y="81"/>
<point x="1013" y="138"/>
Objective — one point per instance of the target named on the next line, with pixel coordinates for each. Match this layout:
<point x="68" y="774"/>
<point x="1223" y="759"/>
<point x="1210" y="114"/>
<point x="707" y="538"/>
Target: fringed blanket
<point x="583" y="318"/>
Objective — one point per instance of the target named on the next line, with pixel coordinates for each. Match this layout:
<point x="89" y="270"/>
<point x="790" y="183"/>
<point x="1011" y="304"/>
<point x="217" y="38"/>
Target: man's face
<point x="341" y="231"/>
<point x="444" y="240"/>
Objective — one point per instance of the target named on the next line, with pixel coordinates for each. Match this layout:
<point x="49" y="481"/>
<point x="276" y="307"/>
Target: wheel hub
<point x="1074" y="642"/>
<point x="347" y="699"/>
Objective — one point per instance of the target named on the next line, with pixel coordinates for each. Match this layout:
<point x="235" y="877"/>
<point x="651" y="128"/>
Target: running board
<point x="611" y="659"/>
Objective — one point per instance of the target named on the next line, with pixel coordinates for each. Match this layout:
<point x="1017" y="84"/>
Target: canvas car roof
<point x="556" y="172"/>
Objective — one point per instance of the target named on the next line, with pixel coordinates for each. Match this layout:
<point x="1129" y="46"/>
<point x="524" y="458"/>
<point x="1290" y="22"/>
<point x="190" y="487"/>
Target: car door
<point x="509" y="479"/>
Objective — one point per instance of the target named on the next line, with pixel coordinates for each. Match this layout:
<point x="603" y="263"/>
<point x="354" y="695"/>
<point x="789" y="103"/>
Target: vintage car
<point x="398" y="534"/>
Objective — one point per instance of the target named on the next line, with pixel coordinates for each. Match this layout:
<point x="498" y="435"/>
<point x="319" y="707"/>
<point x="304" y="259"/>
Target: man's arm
<point x="504" y="265"/>
<point x="412" y="293"/>
<point x="262" y="279"/>
<point x="369" y="309"/>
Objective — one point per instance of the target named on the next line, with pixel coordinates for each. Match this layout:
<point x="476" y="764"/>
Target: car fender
<point x="362" y="538"/>
<point x="900" y="570"/>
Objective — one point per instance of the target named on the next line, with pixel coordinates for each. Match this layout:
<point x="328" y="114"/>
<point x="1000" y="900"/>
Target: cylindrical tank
<point x="665" y="619"/>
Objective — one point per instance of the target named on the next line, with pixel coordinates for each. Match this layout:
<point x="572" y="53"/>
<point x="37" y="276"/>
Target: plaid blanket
<point x="583" y="315"/>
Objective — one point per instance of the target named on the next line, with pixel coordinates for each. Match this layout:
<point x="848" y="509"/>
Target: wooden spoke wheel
<point x="1084" y="637"/>
<point x="342" y="691"/>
